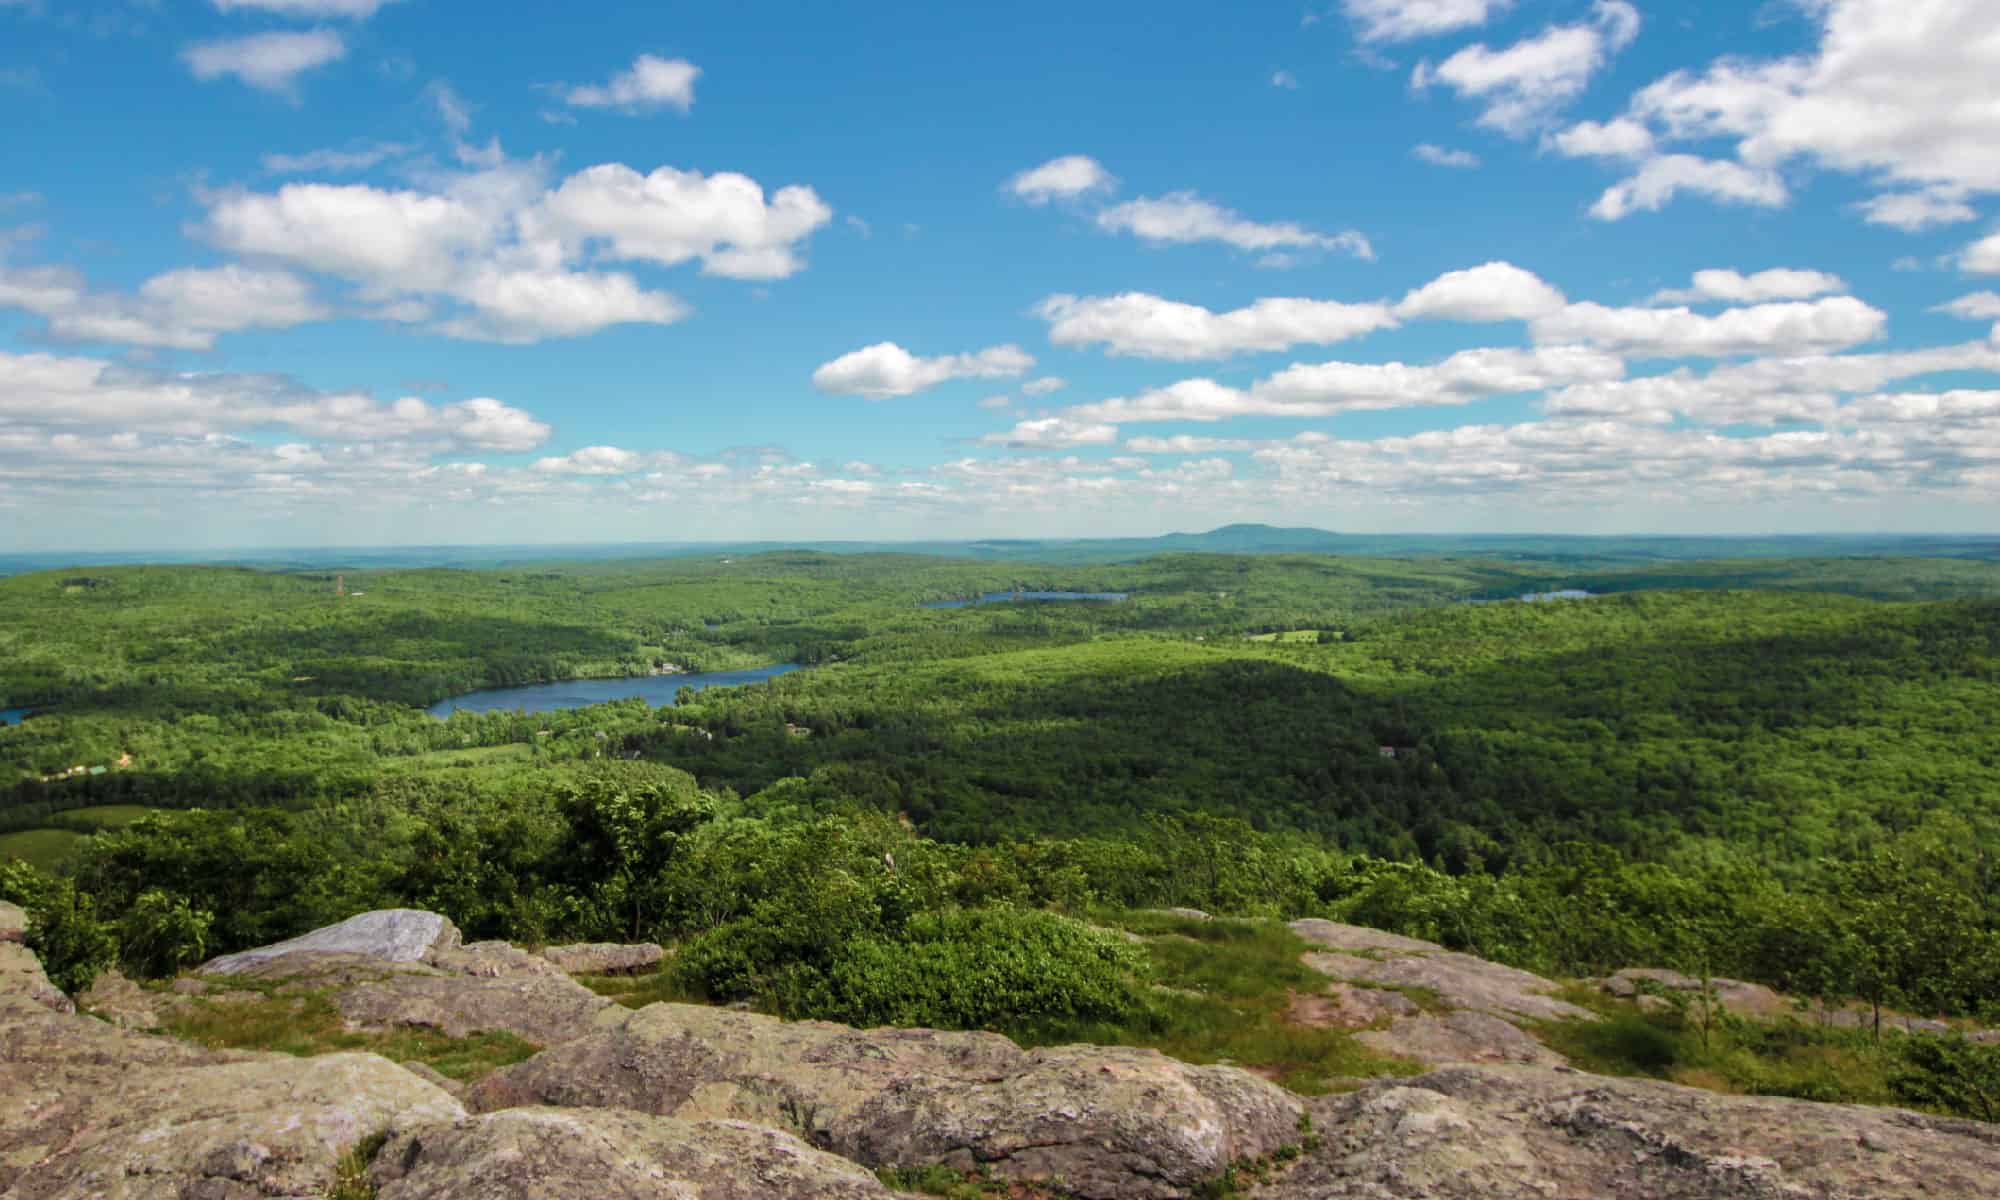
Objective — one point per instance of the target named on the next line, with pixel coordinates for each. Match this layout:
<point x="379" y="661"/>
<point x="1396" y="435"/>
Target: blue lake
<point x="1006" y="597"/>
<point x="657" y="690"/>
<point x="14" y="716"/>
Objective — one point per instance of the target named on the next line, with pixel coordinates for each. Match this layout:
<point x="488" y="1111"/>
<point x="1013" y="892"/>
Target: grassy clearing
<point x="1226" y="988"/>
<point x="42" y="848"/>
<point x="307" y="1023"/>
<point x="1738" y="1056"/>
<point x="1305" y="636"/>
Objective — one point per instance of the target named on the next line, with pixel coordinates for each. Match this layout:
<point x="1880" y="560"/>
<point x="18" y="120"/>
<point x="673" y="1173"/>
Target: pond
<point x="1007" y="597"/>
<point x="14" y="716"/>
<point x="656" y="690"/>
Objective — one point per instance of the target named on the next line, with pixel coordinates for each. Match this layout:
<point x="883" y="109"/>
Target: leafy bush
<point x="64" y="932"/>
<point x="1955" y="1074"/>
<point x="980" y="969"/>
<point x="161" y="934"/>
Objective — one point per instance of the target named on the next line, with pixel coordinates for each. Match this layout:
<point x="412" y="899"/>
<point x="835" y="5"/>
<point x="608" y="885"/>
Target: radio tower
<point x="340" y="585"/>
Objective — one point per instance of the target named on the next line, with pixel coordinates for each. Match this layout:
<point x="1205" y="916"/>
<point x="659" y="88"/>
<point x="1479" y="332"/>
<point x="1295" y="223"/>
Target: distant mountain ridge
<point x="1242" y="538"/>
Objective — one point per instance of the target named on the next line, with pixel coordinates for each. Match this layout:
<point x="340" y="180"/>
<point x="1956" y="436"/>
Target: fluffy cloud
<point x="1326" y="389"/>
<point x="1979" y="306"/>
<point x="1063" y="178"/>
<point x="1407" y="20"/>
<point x="1620" y="138"/>
<point x="1185" y="443"/>
<point x="1665" y="176"/>
<point x="1794" y="328"/>
<point x="269" y="61"/>
<point x="65" y="395"/>
<point x="1982" y="257"/>
<point x="1734" y="287"/>
<point x="1524" y="84"/>
<point x="1054" y="433"/>
<point x="669" y="217"/>
<point x="1043" y="386"/>
<point x="650" y="83"/>
<point x="886" y="369"/>
<point x="1146" y="326"/>
<point x="1439" y="156"/>
<point x="1914" y="212"/>
<point x="1184" y="217"/>
<point x="1894" y="89"/>
<point x="354" y="10"/>
<point x="1494" y="291"/>
<point x="183" y="310"/>
<point x="592" y="460"/>
<point x="507" y="249"/>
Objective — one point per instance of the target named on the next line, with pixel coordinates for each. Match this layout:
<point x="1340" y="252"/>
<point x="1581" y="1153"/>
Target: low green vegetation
<point x="305" y="1022"/>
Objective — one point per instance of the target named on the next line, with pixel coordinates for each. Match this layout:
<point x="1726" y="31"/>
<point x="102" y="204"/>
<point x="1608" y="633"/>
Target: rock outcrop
<point x="606" y="958"/>
<point x="686" y="1101"/>
<point x="1105" y="1122"/>
<point x="392" y="935"/>
<point x="606" y="1154"/>
<point x="1478" y="1007"/>
<point x="1521" y="1133"/>
<point x="21" y="972"/>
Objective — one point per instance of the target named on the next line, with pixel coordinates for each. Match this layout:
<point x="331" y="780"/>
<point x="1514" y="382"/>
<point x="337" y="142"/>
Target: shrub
<point x="161" y="934"/>
<point x="979" y="969"/>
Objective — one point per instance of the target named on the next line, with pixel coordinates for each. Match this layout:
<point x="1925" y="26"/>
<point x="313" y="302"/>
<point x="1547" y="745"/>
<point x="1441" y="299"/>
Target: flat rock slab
<point x="394" y="935"/>
<point x="539" y="1009"/>
<point x="606" y="1154"/>
<point x="1459" y="980"/>
<point x="1332" y="935"/>
<point x="1348" y="1006"/>
<point x="1523" y="1133"/>
<point x="1459" y="1037"/>
<point x="89" y="1111"/>
<point x="1108" y="1122"/>
<point x="605" y="958"/>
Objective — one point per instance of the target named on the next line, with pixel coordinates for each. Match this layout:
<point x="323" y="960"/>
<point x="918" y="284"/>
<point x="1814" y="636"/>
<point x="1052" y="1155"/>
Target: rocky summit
<point x="676" y="1100"/>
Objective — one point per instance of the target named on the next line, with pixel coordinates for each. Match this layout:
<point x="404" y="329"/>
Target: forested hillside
<point x="1789" y="775"/>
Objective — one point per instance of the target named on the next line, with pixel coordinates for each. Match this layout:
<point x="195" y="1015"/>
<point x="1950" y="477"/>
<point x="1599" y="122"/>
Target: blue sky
<point x="281" y="272"/>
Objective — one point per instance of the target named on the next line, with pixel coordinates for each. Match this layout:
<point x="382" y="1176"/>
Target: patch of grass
<point x="637" y="991"/>
<point x="350" y="1174"/>
<point x="42" y="848"/>
<point x="307" y="1023"/>
<point x="1228" y="987"/>
<point x="1749" y="1057"/>
<point x="940" y="1181"/>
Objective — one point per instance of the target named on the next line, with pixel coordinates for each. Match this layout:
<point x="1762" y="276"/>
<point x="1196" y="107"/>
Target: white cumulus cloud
<point x="1791" y="328"/>
<point x="1440" y="156"/>
<point x="271" y="62"/>
<point x="886" y="369"/>
<point x="1183" y="217"/>
<point x="1408" y="20"/>
<point x="1665" y="176"/>
<point x="1734" y="287"/>
<point x="1146" y="326"/>
<point x="651" y="82"/>
<point x="1526" y="83"/>
<point x="353" y="10"/>
<point x="1064" y="178"/>
<point x="1495" y="291"/>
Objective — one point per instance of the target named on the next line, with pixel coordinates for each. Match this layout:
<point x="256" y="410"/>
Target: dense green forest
<point x="1784" y="770"/>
